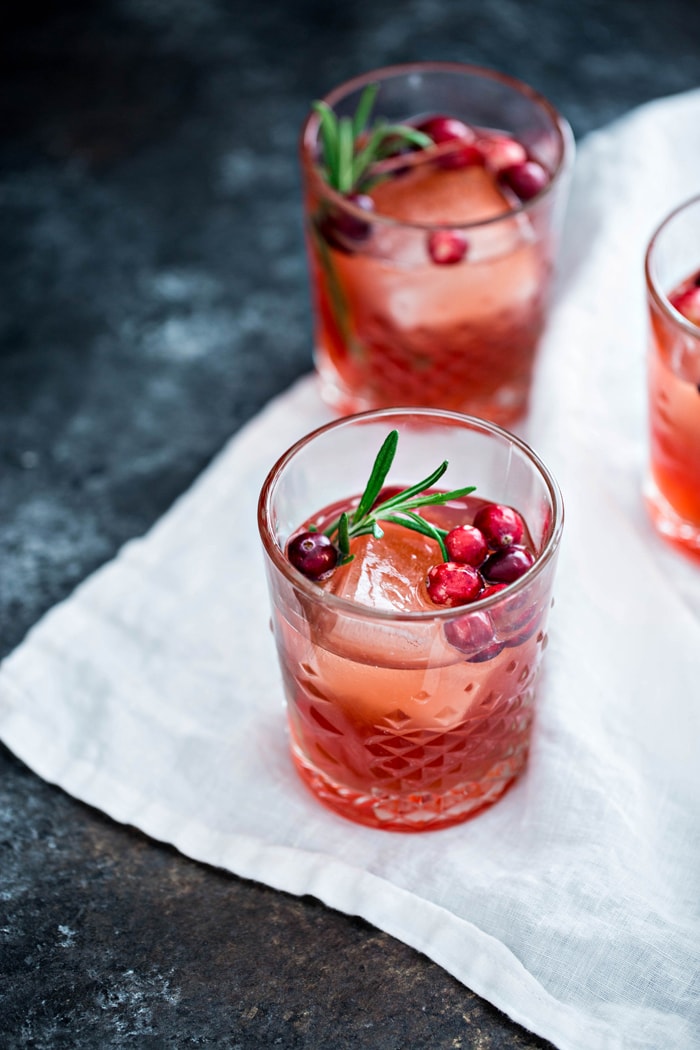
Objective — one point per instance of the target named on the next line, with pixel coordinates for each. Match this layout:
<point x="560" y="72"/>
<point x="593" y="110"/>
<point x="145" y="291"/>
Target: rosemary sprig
<point x="398" y="509"/>
<point x="350" y="148"/>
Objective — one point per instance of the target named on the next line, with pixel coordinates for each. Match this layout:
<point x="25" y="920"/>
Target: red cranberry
<point x="464" y="155"/>
<point x="526" y="180"/>
<point x="507" y="564"/>
<point x="466" y="545"/>
<point x="501" y="151"/>
<point x="313" y="554"/>
<point x="688" y="304"/>
<point x="487" y="653"/>
<point x="501" y="525"/>
<point x="447" y="247"/>
<point x="526" y="631"/>
<point x="446" y="129"/>
<point x="470" y="633"/>
<point x="492" y="588"/>
<point x="451" y="584"/>
<point x="343" y="230"/>
<point x="513" y="614"/>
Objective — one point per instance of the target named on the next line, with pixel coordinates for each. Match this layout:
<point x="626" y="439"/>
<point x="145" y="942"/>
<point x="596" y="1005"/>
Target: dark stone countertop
<point x="154" y="297"/>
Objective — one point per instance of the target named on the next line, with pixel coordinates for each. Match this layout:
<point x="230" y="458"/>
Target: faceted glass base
<point x="411" y="813"/>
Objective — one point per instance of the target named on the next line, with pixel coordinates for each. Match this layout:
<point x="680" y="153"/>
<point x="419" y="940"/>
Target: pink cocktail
<point x="410" y="705"/>
<point x="673" y="294"/>
<point x="431" y="274"/>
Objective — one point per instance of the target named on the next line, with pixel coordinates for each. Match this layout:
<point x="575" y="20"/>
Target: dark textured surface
<point x="153" y="298"/>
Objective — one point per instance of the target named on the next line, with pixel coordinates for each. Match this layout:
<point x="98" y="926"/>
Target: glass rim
<point x="654" y="289"/>
<point x="309" y="133"/>
<point x="349" y="607"/>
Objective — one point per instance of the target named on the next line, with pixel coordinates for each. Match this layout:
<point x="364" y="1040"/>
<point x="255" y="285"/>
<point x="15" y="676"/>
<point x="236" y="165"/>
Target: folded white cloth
<point x="153" y="692"/>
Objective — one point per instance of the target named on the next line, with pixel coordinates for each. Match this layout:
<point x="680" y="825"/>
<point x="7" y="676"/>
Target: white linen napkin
<point x="153" y="692"/>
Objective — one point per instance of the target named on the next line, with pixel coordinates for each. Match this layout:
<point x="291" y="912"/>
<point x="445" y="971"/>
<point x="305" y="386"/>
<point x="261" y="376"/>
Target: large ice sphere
<point x="388" y="573"/>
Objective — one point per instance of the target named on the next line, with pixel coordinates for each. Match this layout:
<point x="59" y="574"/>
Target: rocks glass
<point x="672" y="488"/>
<point x="402" y="719"/>
<point x="438" y="295"/>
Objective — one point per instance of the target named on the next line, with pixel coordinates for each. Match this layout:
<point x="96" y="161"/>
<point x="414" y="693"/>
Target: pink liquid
<point x="395" y="328"/>
<point x="391" y="724"/>
<point x="674" y="400"/>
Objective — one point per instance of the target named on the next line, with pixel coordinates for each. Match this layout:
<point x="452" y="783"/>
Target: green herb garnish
<point x="350" y="148"/>
<point x="398" y="509"/>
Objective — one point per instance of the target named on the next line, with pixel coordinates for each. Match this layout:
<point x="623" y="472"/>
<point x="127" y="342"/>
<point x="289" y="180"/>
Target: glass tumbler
<point x="404" y="719"/>
<point x="437" y="294"/>
<point x="672" y="488"/>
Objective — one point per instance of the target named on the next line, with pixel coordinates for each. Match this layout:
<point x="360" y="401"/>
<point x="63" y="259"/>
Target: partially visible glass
<point x="393" y="326"/>
<point x="672" y="488"/>
<point x="399" y="719"/>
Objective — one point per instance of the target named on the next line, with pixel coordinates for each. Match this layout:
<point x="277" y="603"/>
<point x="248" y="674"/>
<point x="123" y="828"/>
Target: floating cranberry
<point x="492" y="588"/>
<point x="464" y="155"/>
<point x="313" y="554"/>
<point x="501" y="525"/>
<point x="501" y="151"/>
<point x="466" y="545"/>
<point x="526" y="631"/>
<point x="526" y="180"/>
<point x="447" y="247"/>
<point x="487" y="653"/>
<point x="513" y="612"/>
<point x="443" y="130"/>
<point x="343" y="230"/>
<point x="446" y="129"/>
<point x="452" y="584"/>
<point x="471" y="633"/>
<point x="508" y="564"/>
<point x="688" y="304"/>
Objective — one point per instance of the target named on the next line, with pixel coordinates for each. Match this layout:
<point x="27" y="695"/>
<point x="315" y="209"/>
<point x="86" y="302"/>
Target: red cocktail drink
<point x="410" y="702"/>
<point x="673" y="292"/>
<point x="431" y="275"/>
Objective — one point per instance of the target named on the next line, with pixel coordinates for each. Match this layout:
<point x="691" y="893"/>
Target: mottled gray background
<point x="153" y="297"/>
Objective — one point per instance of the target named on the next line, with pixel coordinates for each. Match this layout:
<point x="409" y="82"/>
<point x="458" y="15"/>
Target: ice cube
<point x="437" y="197"/>
<point x="387" y="573"/>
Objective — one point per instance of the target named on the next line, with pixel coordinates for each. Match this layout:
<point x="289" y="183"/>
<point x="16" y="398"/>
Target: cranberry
<point x="526" y="631"/>
<point x="508" y="564"/>
<point x="688" y="304"/>
<point x="470" y="633"/>
<point x="492" y="588"/>
<point x="501" y="525"/>
<point x="466" y="545"/>
<point x="513" y="614"/>
<point x="487" y="653"/>
<point x="446" y="129"/>
<point x="447" y="247"/>
<point x="526" y="180"/>
<point x="465" y="155"/>
<point x="313" y="554"/>
<point x="452" y="584"/>
<point x="450" y="130"/>
<point x="343" y="230"/>
<point x="501" y="151"/>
